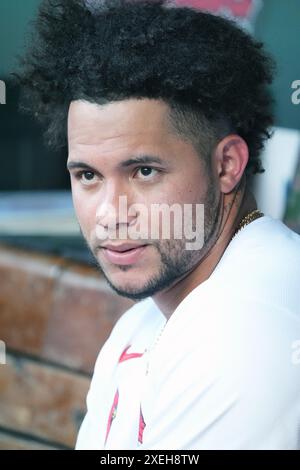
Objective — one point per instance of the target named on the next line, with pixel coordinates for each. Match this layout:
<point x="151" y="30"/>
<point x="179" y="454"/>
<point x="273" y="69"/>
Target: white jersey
<point x="225" y="371"/>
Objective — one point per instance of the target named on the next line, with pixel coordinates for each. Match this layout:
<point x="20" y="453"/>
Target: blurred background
<point x="55" y="309"/>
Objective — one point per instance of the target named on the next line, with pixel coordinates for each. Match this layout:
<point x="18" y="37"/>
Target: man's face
<point x="104" y="142"/>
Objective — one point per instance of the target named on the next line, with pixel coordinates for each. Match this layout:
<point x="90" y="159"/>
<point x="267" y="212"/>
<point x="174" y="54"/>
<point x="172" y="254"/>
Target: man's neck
<point x="235" y="207"/>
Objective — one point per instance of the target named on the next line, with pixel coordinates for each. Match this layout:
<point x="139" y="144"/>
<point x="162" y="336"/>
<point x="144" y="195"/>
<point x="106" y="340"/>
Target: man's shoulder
<point x="269" y="236"/>
<point x="263" y="262"/>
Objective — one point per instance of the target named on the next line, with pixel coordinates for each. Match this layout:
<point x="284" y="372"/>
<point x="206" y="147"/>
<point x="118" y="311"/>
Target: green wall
<point x="14" y="18"/>
<point x="278" y="26"/>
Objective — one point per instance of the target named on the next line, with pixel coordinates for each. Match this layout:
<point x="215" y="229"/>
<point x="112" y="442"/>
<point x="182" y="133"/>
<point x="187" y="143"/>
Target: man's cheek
<point x="84" y="218"/>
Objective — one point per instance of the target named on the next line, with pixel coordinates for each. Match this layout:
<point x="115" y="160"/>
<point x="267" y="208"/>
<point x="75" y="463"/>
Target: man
<point x="167" y="105"/>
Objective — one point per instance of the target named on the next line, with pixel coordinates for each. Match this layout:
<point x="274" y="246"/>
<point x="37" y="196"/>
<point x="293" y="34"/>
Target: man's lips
<point x="124" y="254"/>
<point x="122" y="247"/>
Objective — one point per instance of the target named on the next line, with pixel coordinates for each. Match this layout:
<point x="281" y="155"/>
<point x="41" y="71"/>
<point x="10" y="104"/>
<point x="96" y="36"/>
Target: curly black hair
<point x="213" y="75"/>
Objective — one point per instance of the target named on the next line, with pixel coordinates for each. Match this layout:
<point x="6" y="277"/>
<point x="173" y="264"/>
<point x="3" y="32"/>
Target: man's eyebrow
<point x="141" y="159"/>
<point x="72" y="165"/>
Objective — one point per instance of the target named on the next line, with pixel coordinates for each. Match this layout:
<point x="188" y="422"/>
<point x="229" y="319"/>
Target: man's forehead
<point x="145" y="109"/>
<point x="116" y="121"/>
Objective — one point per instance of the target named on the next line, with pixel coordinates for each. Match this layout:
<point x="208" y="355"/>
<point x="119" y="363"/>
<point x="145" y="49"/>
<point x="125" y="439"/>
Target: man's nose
<point x="112" y="210"/>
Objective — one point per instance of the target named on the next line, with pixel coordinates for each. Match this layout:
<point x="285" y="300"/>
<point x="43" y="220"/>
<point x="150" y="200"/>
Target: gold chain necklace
<point x="247" y="220"/>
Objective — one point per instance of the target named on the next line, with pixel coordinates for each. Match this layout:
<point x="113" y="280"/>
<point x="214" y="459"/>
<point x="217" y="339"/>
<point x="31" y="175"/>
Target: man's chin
<point x="130" y="289"/>
<point x="137" y="283"/>
<point x="131" y="293"/>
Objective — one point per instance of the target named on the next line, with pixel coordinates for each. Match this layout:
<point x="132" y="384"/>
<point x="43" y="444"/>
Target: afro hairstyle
<point x="213" y="75"/>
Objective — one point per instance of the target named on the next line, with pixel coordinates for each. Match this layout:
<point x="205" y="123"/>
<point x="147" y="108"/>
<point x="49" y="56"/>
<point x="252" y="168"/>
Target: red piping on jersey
<point x="124" y="356"/>
<point x="142" y="426"/>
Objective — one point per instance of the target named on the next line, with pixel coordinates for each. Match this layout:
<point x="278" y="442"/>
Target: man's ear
<point x="231" y="157"/>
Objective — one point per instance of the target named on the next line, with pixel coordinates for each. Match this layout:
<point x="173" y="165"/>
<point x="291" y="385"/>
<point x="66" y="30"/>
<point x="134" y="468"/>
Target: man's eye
<point x="146" y="172"/>
<point x="86" y="177"/>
